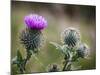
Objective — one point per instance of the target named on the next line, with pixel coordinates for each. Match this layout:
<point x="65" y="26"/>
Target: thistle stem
<point x="29" y="54"/>
<point x="64" y="68"/>
<point x="68" y="62"/>
<point x="67" y="66"/>
<point x="22" y="64"/>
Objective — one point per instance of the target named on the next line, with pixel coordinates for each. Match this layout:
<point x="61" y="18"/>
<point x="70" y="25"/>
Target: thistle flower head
<point x="82" y="50"/>
<point x="31" y="39"/>
<point x="36" y="22"/>
<point x="70" y="37"/>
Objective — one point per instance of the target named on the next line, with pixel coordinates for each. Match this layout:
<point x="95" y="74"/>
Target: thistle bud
<point x="31" y="39"/>
<point x="82" y="50"/>
<point x="70" y="37"/>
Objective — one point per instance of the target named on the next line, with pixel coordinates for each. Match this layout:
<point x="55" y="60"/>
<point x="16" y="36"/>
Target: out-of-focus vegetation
<point x="59" y="17"/>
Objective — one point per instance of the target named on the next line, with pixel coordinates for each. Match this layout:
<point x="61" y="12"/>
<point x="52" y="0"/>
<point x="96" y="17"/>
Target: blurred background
<point x="59" y="17"/>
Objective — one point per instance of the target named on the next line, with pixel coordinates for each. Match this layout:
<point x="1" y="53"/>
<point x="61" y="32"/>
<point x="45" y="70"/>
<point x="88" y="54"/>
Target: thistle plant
<point x="31" y="38"/>
<point x="71" y="47"/>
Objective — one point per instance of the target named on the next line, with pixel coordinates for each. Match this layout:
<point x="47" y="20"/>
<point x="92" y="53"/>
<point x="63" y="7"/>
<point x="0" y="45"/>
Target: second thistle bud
<point x="71" y="37"/>
<point x="82" y="50"/>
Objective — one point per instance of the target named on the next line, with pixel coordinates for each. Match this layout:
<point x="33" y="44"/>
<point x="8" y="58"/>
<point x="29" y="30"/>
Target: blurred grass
<point x="59" y="17"/>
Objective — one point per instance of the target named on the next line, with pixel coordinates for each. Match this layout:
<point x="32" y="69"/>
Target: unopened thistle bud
<point x="82" y="50"/>
<point x="70" y="37"/>
<point x="32" y="36"/>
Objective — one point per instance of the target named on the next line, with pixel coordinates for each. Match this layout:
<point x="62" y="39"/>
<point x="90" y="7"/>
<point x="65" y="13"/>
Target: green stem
<point x="67" y="66"/>
<point x="64" y="68"/>
<point x="22" y="64"/>
<point x="29" y="54"/>
<point x="68" y="62"/>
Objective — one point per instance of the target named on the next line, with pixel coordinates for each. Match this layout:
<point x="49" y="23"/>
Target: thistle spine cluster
<point x="31" y="39"/>
<point x="70" y="37"/>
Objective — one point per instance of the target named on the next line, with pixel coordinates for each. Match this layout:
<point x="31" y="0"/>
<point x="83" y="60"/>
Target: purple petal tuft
<point x="34" y="21"/>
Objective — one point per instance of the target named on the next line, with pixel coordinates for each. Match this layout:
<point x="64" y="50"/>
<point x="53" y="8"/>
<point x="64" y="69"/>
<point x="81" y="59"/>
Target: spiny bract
<point x="70" y="37"/>
<point x="31" y="39"/>
<point x="82" y="50"/>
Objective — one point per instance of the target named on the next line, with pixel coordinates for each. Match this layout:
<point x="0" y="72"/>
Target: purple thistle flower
<point x="36" y="22"/>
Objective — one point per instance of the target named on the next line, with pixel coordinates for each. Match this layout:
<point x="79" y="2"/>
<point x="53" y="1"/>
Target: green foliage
<point x="19" y="61"/>
<point x="63" y="49"/>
